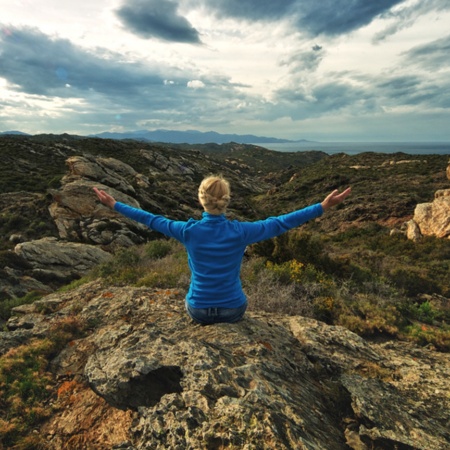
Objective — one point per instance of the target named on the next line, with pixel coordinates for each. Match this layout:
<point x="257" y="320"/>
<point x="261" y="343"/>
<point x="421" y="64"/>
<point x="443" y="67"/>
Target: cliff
<point x="139" y="374"/>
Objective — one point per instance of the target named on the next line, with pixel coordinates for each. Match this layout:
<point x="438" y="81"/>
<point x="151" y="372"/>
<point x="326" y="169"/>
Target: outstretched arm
<point x="105" y="198"/>
<point x="335" y="198"/>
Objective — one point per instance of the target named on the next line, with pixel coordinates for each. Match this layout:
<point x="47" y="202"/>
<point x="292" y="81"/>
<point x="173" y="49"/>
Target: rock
<point x="108" y="171"/>
<point x="61" y="260"/>
<point x="145" y="376"/>
<point x="78" y="214"/>
<point x="433" y="219"/>
<point x="413" y="230"/>
<point x="168" y="165"/>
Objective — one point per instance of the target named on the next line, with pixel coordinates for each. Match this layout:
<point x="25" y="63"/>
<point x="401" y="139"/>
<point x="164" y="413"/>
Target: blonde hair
<point x="214" y="194"/>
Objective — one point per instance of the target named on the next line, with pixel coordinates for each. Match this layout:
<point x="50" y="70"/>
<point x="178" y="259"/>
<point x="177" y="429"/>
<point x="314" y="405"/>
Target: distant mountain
<point x="15" y="132"/>
<point x="190" y="137"/>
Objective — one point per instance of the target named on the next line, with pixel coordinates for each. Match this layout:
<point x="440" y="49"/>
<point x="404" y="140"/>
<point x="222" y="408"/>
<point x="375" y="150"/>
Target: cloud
<point x="40" y="68"/>
<point x="311" y="17"/>
<point x="252" y="10"/>
<point x="407" y="15"/>
<point x="322" y="99"/>
<point x="195" y="84"/>
<point x="38" y="64"/>
<point x="331" y="17"/>
<point x="157" y="19"/>
<point x="431" y="56"/>
<point x="304" y="60"/>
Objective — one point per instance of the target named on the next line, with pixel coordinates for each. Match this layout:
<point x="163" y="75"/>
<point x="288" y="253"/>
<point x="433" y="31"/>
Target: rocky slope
<point x="59" y="231"/>
<point x="144" y="376"/>
<point x="57" y="210"/>
<point x="137" y="373"/>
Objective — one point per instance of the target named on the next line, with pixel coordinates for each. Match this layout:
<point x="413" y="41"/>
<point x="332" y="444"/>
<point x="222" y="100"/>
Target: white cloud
<point x="247" y="67"/>
<point x="195" y="84"/>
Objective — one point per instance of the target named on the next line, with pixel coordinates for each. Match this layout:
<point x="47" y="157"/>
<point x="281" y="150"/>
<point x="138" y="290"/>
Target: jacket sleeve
<point x="170" y="228"/>
<point x="274" y="226"/>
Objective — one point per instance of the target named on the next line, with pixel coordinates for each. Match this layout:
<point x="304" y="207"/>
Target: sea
<point x="353" y="148"/>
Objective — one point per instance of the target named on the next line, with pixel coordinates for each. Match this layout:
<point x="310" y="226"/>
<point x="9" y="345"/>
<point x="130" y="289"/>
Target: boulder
<point x="78" y="214"/>
<point x="54" y="259"/>
<point x="412" y="230"/>
<point x="145" y="376"/>
<point x="433" y="219"/>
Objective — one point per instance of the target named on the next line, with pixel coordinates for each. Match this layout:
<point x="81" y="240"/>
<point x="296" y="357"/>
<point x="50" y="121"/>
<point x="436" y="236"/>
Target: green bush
<point x="26" y="384"/>
<point x="427" y="335"/>
<point x="158" y="249"/>
<point x="155" y="264"/>
<point x="7" y="305"/>
<point x="413" y="282"/>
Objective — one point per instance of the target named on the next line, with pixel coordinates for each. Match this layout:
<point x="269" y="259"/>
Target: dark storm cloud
<point x="331" y="17"/>
<point x="414" y="90"/>
<point x="157" y="18"/>
<point x="406" y="16"/>
<point x="325" y="17"/>
<point x="38" y="64"/>
<point x="252" y="10"/>
<point x="105" y="85"/>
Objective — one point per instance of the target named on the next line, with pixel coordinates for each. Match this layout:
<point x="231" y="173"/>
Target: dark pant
<point x="208" y="316"/>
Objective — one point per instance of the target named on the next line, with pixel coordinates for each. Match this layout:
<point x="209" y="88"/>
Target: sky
<point x="328" y="70"/>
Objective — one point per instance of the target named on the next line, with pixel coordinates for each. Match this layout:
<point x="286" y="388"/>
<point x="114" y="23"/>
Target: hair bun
<point x="214" y="194"/>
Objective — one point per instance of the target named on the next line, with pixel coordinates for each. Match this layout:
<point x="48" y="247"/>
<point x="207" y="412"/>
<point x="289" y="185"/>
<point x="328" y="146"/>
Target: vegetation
<point x="321" y="281"/>
<point x="8" y="304"/>
<point x="346" y="269"/>
<point x="384" y="285"/>
<point x="26" y="385"/>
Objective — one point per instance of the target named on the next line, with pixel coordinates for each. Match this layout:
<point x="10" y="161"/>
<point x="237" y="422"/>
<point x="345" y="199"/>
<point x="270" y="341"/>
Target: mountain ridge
<point x="190" y="137"/>
<point x="181" y="137"/>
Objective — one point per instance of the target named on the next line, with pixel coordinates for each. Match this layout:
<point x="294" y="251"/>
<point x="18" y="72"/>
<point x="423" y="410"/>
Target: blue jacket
<point x="215" y="247"/>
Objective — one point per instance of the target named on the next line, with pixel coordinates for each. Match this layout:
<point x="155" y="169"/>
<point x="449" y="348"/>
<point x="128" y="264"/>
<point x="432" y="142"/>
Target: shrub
<point x="428" y="335"/>
<point x="168" y="272"/>
<point x="325" y="308"/>
<point x="265" y="292"/>
<point x="413" y="282"/>
<point x="161" y="264"/>
<point x="158" y="249"/>
<point x="26" y="384"/>
<point x="8" y="304"/>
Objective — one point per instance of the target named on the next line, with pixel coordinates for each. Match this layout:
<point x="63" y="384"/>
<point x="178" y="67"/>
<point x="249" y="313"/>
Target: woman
<point x="216" y="245"/>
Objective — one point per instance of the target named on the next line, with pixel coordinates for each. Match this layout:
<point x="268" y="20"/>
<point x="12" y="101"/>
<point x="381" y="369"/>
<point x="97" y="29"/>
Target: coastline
<point x="354" y="148"/>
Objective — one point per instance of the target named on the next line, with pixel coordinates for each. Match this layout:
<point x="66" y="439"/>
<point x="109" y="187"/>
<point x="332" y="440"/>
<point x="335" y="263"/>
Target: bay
<point x="353" y="148"/>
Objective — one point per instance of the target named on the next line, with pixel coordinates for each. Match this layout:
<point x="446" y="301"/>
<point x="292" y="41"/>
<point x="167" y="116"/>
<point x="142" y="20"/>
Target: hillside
<point x="97" y="351"/>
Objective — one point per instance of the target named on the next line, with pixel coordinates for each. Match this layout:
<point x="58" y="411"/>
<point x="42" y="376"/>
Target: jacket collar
<point x="213" y="217"/>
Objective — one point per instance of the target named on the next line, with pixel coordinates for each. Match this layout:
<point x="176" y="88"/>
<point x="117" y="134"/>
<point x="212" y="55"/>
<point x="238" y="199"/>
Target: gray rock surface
<point x="144" y="376"/>
<point x="65" y="260"/>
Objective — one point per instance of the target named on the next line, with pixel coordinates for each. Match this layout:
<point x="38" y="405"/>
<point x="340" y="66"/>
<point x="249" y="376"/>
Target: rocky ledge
<point x="145" y="376"/>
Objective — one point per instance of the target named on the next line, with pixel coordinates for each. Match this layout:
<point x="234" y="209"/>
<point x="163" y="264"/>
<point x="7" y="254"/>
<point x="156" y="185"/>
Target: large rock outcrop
<point x="53" y="259"/>
<point x="146" y="377"/>
<point x="77" y="212"/>
<point x="86" y="228"/>
<point x="432" y="219"/>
